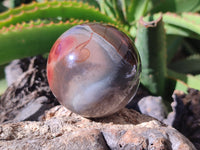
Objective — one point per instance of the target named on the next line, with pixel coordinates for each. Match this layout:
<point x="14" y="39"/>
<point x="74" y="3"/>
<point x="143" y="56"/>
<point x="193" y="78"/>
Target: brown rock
<point x="13" y="71"/>
<point x="186" y="115"/>
<point x="62" y="129"/>
<point x="91" y="139"/>
<point x="28" y="95"/>
<point x="153" y="106"/>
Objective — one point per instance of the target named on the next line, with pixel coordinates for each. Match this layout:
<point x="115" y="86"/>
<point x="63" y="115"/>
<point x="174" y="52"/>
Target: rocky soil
<point x="31" y="118"/>
<point x="61" y="129"/>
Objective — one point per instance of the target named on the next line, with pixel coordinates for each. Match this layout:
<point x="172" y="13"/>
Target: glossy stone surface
<point x="93" y="69"/>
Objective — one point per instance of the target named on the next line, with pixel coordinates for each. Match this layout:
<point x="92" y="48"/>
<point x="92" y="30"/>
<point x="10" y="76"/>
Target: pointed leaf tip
<point x="150" y="23"/>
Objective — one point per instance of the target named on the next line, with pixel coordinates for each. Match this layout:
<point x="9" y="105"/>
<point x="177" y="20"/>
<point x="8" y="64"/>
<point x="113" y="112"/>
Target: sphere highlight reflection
<point x="93" y="69"/>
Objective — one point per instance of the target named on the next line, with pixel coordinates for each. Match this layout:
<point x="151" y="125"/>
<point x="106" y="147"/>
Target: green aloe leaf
<point x="177" y="30"/>
<point x="3" y="84"/>
<point x="124" y="8"/>
<point x="118" y="8"/>
<point x="183" y="81"/>
<point x="176" y="20"/>
<point x="137" y="9"/>
<point x="151" y="43"/>
<point x="195" y="17"/>
<point x="173" y="45"/>
<point x="189" y="65"/>
<point x="107" y="8"/>
<point x="190" y="47"/>
<point x="175" y="5"/>
<point x="30" y="39"/>
<point x="90" y="2"/>
<point x="46" y="10"/>
<point x="179" y="25"/>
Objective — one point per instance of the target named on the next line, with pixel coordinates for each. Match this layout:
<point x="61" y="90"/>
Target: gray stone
<point x="62" y="129"/>
<point x="13" y="71"/>
<point x="153" y="106"/>
<point x="33" y="110"/>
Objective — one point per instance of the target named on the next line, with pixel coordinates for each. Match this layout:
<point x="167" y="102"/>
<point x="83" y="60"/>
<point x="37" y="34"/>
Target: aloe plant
<point x="31" y="29"/>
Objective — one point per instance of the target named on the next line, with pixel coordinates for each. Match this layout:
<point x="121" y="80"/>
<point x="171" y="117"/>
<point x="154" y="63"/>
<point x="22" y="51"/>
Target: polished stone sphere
<point x="93" y="69"/>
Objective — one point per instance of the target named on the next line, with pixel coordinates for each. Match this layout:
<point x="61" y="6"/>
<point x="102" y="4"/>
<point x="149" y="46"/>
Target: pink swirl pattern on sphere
<point x="93" y="69"/>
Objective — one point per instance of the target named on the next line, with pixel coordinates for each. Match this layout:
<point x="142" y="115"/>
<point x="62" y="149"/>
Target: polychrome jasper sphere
<point x="93" y="69"/>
